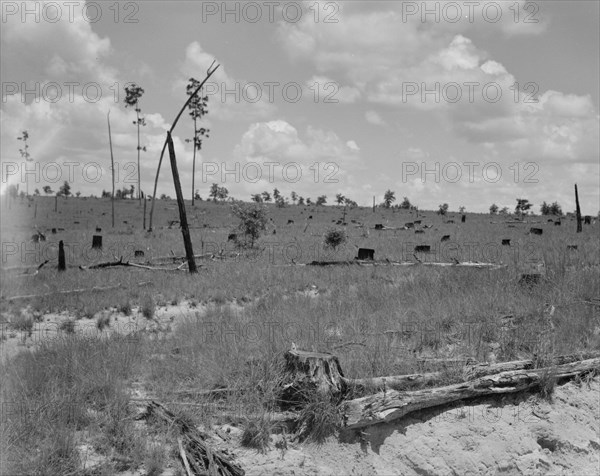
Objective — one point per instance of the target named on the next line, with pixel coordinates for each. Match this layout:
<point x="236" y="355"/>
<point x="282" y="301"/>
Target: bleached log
<point x="391" y="405"/>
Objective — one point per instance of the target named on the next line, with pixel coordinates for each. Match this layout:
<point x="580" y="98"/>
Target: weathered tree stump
<point x="309" y="373"/>
<point x="61" y="256"/>
<point x="366" y="253"/>
<point x="97" y="242"/>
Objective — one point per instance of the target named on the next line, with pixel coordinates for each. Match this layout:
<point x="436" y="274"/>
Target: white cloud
<point x="373" y="118"/>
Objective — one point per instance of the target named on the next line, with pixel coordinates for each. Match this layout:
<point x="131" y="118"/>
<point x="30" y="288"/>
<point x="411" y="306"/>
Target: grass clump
<point x="148" y="307"/>
<point x="257" y="433"/>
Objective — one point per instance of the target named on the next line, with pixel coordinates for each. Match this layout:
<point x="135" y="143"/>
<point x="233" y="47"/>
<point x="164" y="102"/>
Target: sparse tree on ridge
<point x="198" y="107"/>
<point x="493" y="209"/>
<point x="523" y="206"/>
<point x="389" y="197"/>
<point x="133" y="94"/>
<point x="321" y="200"/>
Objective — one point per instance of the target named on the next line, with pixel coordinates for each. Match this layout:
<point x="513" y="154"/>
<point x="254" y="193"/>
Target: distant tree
<point x="65" y="190"/>
<point x="37" y="192"/>
<point x="257" y="198"/>
<point x="321" y="200"/>
<point x="493" y="209"/>
<point x="443" y="209"/>
<point x="133" y="94"/>
<point x="77" y="194"/>
<point x="222" y="193"/>
<point x="523" y="206"/>
<point x="197" y="195"/>
<point x="461" y="209"/>
<point x="405" y="205"/>
<point x="252" y="219"/>
<point x="339" y="199"/>
<point x="389" y="197"/>
<point x="198" y="107"/>
<point x="551" y="209"/>
<point x="266" y="196"/>
<point x="163" y="197"/>
<point x="276" y="194"/>
<point x="105" y="194"/>
<point x="214" y="192"/>
<point x="280" y="202"/>
<point x="308" y="201"/>
<point x="350" y="203"/>
<point x="294" y="197"/>
<point x="25" y="154"/>
<point x="300" y="200"/>
<point x="131" y="191"/>
<point x="504" y="211"/>
<point x="47" y="190"/>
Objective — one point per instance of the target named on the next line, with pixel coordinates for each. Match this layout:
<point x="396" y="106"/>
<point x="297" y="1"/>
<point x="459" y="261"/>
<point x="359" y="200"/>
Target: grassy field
<point x="234" y="319"/>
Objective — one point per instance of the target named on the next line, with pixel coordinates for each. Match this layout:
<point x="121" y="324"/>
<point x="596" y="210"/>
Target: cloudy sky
<point x="438" y="101"/>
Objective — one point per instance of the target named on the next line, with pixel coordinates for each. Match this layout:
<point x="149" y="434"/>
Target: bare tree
<point x="198" y="107"/>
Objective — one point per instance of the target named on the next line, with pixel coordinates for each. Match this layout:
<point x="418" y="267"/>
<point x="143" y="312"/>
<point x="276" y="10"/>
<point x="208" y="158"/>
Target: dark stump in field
<point x="378" y="226"/>
<point x="445" y="238"/>
<point x="587" y="220"/>
<point x="97" y="242"/>
<point x="506" y="242"/>
<point x="536" y="231"/>
<point x="366" y="253"/>
<point x="422" y="249"/>
<point x="463" y="218"/>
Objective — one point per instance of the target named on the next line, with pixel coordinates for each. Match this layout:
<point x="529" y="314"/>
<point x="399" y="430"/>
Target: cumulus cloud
<point x="373" y="118"/>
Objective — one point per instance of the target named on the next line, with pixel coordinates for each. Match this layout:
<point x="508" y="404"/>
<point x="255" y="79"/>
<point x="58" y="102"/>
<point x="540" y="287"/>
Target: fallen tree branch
<point x="204" y="459"/>
<point x="72" y="291"/>
<point x="391" y="405"/>
<point x="112" y="264"/>
<point x="466" y="264"/>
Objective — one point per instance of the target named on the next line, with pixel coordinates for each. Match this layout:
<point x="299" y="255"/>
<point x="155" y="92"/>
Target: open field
<point x="170" y="335"/>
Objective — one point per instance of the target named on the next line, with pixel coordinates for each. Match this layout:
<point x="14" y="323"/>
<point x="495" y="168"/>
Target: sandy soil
<point x="516" y="434"/>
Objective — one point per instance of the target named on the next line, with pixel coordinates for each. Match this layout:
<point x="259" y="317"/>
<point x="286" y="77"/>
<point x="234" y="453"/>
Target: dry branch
<point x="120" y="262"/>
<point x="72" y="291"/>
<point x="391" y="405"/>
<point x="194" y="447"/>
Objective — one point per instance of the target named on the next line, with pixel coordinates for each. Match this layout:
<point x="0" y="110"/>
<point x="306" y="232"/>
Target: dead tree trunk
<point x="391" y="405"/>
<point x="112" y="168"/>
<point x="187" y="241"/>
<point x="61" y="256"/>
<point x="578" y="210"/>
<point x="209" y="73"/>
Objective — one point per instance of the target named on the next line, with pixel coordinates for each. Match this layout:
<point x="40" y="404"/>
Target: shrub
<point x="335" y="238"/>
<point x="253" y="219"/>
<point x="148" y="307"/>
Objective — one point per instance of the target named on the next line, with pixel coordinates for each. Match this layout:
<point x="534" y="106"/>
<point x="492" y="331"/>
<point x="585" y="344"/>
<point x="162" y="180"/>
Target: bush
<point x="253" y="219"/>
<point x="335" y="238"/>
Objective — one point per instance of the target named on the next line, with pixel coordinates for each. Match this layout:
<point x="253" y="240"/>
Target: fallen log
<point x="391" y="405"/>
<point x="194" y="447"/>
<point x="112" y="264"/>
<point x="466" y="264"/>
<point x="72" y="291"/>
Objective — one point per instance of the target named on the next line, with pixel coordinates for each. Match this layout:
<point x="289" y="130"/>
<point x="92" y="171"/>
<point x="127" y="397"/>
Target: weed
<point x="148" y="307"/>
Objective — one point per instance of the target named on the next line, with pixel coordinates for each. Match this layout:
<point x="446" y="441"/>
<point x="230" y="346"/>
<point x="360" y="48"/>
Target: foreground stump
<point x="310" y="372"/>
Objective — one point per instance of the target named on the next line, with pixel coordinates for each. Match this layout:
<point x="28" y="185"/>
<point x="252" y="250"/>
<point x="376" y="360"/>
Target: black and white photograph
<point x="310" y="238"/>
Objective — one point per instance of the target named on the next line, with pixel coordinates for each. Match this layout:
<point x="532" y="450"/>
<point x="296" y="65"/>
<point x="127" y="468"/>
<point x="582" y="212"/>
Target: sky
<point x="440" y="102"/>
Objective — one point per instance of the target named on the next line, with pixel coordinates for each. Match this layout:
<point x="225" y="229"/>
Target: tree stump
<point x="309" y="373"/>
<point x="97" y="242"/>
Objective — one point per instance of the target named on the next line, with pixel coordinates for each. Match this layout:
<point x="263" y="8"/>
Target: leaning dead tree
<point x="209" y="73"/>
<point x="112" y="165"/>
<point x="577" y="210"/>
<point x="315" y="372"/>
